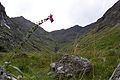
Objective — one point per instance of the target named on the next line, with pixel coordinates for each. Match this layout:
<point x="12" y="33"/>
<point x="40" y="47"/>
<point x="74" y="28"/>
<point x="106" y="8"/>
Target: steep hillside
<point x="25" y="25"/>
<point x="101" y="44"/>
<point x="96" y="31"/>
<point x="14" y="30"/>
<point x="101" y="48"/>
<point x="109" y="19"/>
<point x="8" y="37"/>
<point x="106" y="40"/>
<point x="40" y="37"/>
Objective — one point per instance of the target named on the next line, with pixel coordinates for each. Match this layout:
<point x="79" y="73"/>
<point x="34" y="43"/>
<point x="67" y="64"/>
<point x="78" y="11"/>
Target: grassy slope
<point x="34" y="65"/>
<point x="102" y="48"/>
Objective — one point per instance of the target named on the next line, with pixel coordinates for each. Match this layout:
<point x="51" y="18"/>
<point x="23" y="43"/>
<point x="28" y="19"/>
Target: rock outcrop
<point x="3" y="16"/>
<point x="5" y="76"/>
<point x="2" y="11"/>
<point x="71" y="66"/>
<point x="116" y="74"/>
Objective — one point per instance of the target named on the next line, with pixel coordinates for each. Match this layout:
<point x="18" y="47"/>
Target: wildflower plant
<point x="19" y="47"/>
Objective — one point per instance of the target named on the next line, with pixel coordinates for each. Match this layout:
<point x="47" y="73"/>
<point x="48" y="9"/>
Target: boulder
<point x="5" y="75"/>
<point x="71" y="65"/>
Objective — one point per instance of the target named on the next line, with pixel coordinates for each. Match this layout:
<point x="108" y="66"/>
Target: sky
<point x="66" y="13"/>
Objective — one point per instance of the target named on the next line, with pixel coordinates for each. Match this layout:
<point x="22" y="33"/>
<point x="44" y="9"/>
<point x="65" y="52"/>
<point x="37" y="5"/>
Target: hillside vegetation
<point x="102" y="49"/>
<point x="99" y="42"/>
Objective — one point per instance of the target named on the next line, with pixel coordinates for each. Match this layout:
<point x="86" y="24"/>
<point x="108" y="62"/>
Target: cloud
<point x="66" y="12"/>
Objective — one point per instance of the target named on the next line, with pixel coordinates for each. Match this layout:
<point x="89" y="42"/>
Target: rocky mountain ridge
<point x="20" y="26"/>
<point x="109" y="19"/>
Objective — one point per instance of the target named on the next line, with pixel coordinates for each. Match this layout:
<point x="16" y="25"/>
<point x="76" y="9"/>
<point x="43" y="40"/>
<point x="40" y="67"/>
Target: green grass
<point x="34" y="66"/>
<point x="101" y="48"/>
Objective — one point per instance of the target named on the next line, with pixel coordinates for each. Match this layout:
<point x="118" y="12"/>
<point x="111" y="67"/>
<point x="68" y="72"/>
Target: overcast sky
<point x="66" y="13"/>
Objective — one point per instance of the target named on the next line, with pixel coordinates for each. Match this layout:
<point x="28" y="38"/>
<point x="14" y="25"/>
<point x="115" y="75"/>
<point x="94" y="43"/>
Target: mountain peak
<point x="20" y="17"/>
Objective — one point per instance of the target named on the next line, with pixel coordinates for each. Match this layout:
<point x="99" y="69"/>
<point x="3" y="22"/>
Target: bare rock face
<point x="71" y="65"/>
<point x="2" y="11"/>
<point x="4" y="75"/>
<point x="116" y="74"/>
